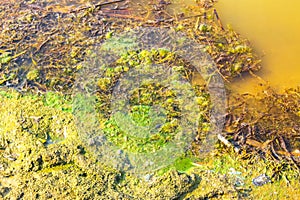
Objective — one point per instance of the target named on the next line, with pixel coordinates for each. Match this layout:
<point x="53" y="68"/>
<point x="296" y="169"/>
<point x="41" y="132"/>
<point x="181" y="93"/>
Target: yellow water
<point x="273" y="28"/>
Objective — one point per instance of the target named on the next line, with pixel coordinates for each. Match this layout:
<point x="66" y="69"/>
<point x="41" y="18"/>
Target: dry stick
<point x="283" y="144"/>
<point x="122" y="16"/>
<point x="41" y="45"/>
<point x="19" y="54"/>
<point x="197" y="23"/>
<point x="192" y="16"/>
<point x="219" y="72"/>
<point x="204" y="17"/>
<point x="147" y="9"/>
<point x="218" y="19"/>
<point x="97" y="5"/>
<point x="226" y="142"/>
<point x="256" y="76"/>
<point x="274" y="153"/>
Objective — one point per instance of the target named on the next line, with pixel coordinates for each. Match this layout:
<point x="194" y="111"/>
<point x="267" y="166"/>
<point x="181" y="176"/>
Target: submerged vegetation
<point x="164" y="122"/>
<point x="42" y="46"/>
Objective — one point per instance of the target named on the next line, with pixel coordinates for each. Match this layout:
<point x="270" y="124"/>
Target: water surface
<point x="273" y="28"/>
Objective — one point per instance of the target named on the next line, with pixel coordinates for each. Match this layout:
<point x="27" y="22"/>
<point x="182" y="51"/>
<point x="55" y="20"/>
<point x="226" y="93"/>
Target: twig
<point x="256" y="76"/>
<point x="97" y="5"/>
<point x="227" y="143"/>
<point x="218" y="19"/>
<point x="224" y="140"/>
<point x="41" y="45"/>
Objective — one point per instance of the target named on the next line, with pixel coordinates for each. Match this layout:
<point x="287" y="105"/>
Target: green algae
<point x="58" y="101"/>
<point x="32" y="75"/>
<point x="5" y="57"/>
<point x="32" y="169"/>
<point x="144" y="129"/>
<point x="139" y="128"/>
<point x="118" y="44"/>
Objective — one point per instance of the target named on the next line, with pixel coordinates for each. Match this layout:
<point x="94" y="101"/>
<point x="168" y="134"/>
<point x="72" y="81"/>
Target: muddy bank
<point x="43" y="157"/>
<point x="57" y="164"/>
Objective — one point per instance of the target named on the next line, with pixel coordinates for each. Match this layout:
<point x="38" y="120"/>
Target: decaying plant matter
<point x="267" y="123"/>
<point x="52" y="39"/>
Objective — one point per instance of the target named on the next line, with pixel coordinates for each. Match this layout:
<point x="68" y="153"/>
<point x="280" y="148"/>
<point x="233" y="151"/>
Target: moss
<point x="144" y="129"/>
<point x="58" y="101"/>
<point x="32" y="75"/>
<point x="31" y="168"/>
<point x="5" y="57"/>
<point x="282" y="189"/>
<point x="30" y="130"/>
<point x="213" y="186"/>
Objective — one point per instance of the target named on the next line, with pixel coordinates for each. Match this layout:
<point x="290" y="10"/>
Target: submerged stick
<point x="97" y="5"/>
<point x="218" y="19"/>
<point x="227" y="143"/>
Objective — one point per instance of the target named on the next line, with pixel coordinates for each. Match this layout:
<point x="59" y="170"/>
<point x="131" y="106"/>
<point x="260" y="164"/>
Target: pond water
<point x="273" y="27"/>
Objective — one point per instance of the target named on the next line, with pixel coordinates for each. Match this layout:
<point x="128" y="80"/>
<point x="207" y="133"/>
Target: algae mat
<point x="32" y="167"/>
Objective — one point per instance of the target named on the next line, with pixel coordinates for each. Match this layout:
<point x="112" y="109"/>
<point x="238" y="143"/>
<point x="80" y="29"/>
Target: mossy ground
<point x="32" y="168"/>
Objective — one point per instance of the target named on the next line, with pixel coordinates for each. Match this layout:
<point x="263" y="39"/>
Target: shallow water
<point x="273" y="27"/>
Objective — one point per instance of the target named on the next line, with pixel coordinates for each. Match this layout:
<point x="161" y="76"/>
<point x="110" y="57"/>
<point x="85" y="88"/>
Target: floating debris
<point x="267" y="123"/>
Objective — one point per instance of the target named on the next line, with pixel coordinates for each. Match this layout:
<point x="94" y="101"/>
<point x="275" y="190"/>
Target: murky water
<point x="273" y="28"/>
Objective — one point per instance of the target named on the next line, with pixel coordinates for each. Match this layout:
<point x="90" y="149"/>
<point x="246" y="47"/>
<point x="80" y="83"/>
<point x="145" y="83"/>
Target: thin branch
<point x="97" y="5"/>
